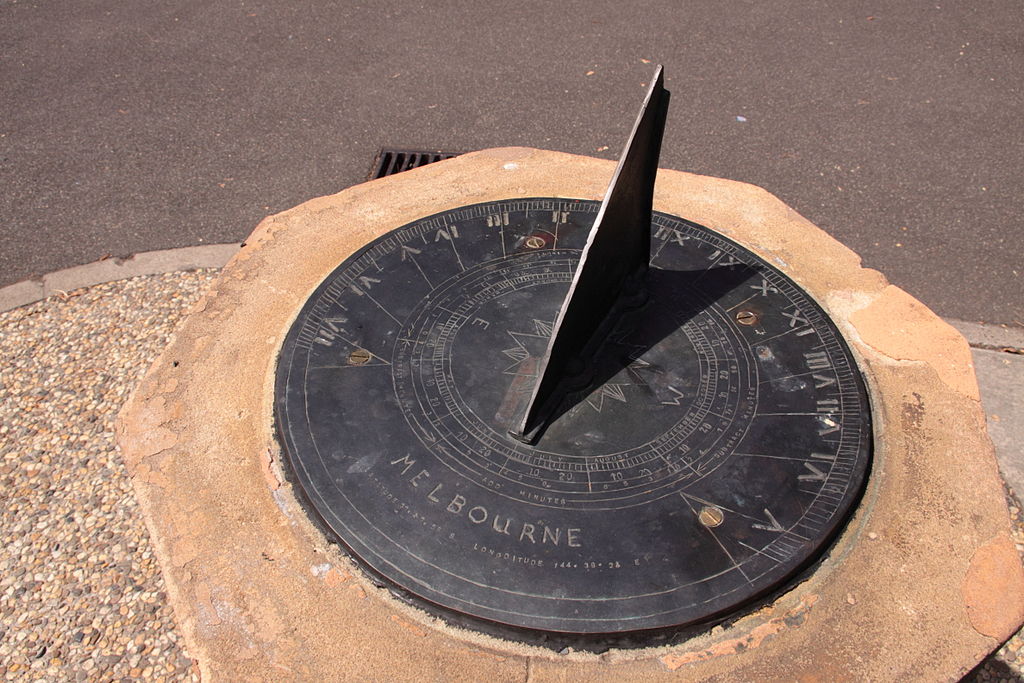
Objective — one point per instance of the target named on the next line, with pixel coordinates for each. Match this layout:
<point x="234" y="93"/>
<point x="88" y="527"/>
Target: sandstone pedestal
<point x="924" y="582"/>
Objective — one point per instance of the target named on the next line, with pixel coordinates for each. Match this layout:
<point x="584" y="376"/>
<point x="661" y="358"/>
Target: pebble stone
<point x="81" y="594"/>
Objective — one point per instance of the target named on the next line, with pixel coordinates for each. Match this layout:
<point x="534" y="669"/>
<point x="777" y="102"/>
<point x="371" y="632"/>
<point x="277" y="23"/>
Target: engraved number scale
<point x="702" y="438"/>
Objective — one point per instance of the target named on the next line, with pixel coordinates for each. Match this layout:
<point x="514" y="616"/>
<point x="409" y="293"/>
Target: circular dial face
<point x="715" y="443"/>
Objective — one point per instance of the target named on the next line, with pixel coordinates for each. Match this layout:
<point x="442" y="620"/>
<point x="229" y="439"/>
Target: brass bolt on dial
<point x="746" y="317"/>
<point x="359" y="357"/>
<point x="711" y="516"/>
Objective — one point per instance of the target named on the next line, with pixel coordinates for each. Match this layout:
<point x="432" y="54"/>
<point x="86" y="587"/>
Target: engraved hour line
<point x="382" y="364"/>
<point x="657" y="252"/>
<point x="720" y="544"/>
<point x="558" y="216"/>
<point x="781" y="457"/>
<point x="773" y="526"/>
<point x="844" y="392"/>
<point x="701" y="276"/>
<point x="378" y="304"/>
<point x="408" y="254"/>
<point x="806" y="413"/>
<point x="740" y="304"/>
<point x="449" y="235"/>
<point x="800" y="333"/>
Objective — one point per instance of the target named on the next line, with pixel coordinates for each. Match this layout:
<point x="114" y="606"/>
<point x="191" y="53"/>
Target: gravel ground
<point x="81" y="595"/>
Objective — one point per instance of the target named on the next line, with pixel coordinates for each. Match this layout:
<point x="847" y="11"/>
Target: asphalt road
<point x="897" y="127"/>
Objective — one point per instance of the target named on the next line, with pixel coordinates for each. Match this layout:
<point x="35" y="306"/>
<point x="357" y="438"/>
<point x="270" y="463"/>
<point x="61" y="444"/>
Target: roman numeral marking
<point x="497" y="220"/>
<point x="817" y="360"/>
<point x="829" y="426"/>
<point x="408" y="253"/>
<point x="821" y="381"/>
<point x="334" y="322"/>
<point x="367" y="283"/>
<point x="727" y="259"/>
<point x="668" y="234"/>
<point x="795" y="318"/>
<point x="815" y="474"/>
<point x="764" y="288"/>
<point x="449" y="234"/>
<point x="330" y="331"/>
<point x="773" y="524"/>
<point x="828" y="405"/>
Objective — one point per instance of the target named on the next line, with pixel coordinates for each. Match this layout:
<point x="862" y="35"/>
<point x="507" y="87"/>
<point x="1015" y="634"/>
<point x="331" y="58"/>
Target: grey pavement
<point x="131" y="127"/>
<point x="1000" y="378"/>
<point x="112" y="269"/>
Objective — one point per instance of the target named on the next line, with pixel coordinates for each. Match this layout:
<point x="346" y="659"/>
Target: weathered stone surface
<point x="261" y="595"/>
<point x="992" y="589"/>
<point x="917" y="334"/>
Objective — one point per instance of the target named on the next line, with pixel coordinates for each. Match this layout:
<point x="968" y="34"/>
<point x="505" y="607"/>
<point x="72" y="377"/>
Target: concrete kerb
<point x="108" y="270"/>
<point x="990" y="337"/>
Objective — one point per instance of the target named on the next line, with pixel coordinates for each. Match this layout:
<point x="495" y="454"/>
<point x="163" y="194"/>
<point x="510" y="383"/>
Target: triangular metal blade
<point x="615" y="259"/>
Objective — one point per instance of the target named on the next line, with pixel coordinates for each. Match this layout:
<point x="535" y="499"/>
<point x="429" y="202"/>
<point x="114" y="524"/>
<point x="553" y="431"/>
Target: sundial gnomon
<point x="703" y="437"/>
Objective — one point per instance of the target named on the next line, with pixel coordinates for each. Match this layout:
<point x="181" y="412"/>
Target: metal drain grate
<point x="391" y="161"/>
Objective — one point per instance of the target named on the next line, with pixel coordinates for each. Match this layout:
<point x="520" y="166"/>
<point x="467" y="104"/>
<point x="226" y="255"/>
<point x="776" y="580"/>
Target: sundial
<point x="574" y="423"/>
<point x="564" y="416"/>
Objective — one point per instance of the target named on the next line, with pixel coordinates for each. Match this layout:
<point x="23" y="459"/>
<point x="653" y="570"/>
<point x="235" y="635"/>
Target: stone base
<point x="923" y="583"/>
